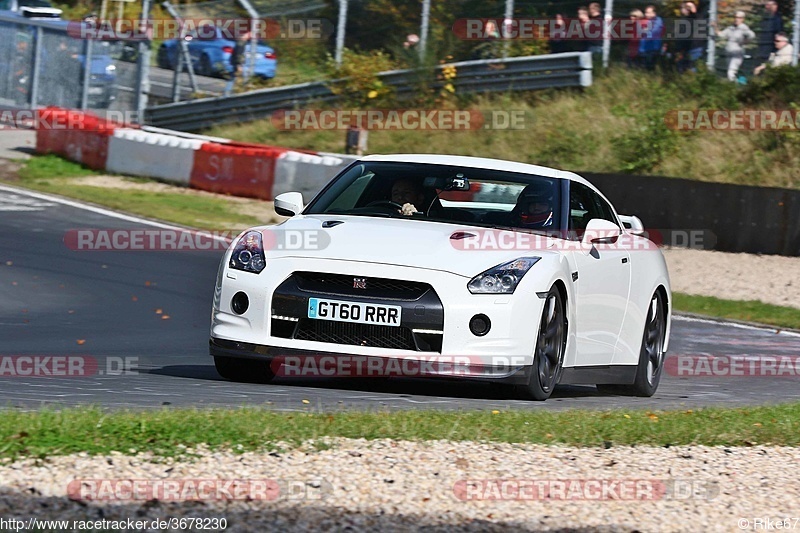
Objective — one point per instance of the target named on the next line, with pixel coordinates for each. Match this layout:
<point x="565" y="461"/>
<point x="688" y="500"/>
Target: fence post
<point x="143" y="66"/>
<point x="607" y="31"/>
<point x="340" y="29"/>
<point x="507" y="22"/>
<point x="423" y="31"/>
<point x="183" y="52"/>
<point x="711" y="49"/>
<point x="796" y="32"/>
<point x="37" y="59"/>
<point x="87" y="73"/>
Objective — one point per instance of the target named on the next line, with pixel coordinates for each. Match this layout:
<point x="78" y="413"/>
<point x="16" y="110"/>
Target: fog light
<point x="480" y="325"/>
<point x="240" y="303"/>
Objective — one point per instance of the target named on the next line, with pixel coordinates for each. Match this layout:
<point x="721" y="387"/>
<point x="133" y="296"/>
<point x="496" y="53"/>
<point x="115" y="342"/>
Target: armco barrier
<point x="141" y="153"/>
<point x="760" y="220"/>
<point x="236" y="170"/>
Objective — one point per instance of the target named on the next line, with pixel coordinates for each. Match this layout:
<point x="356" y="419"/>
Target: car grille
<point x="398" y="338"/>
<point x="340" y="284"/>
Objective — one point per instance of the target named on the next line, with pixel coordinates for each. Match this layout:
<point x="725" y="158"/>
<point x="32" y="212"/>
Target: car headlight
<point x="248" y="254"/>
<point x="110" y="68"/>
<point x="502" y="279"/>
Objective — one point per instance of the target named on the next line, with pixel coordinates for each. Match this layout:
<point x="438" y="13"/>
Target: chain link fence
<point x="46" y="63"/>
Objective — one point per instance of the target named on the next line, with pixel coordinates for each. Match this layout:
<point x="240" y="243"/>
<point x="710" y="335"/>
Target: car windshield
<point x="443" y="193"/>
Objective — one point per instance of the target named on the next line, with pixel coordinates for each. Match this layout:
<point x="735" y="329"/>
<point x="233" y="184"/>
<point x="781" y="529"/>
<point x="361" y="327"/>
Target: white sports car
<point x="447" y="266"/>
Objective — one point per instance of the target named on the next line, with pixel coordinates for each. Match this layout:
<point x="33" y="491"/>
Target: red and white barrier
<point x="236" y="170"/>
<point x="305" y="173"/>
<point x="80" y="137"/>
<point x="141" y="153"/>
<point x="207" y="163"/>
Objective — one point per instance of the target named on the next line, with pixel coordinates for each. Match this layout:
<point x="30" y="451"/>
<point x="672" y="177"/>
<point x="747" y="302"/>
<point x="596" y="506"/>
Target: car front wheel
<point x="549" y="354"/>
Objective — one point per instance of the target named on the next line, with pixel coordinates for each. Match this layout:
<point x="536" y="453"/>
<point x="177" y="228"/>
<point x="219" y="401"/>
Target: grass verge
<point x="750" y="311"/>
<point x="185" y="207"/>
<point x="43" y="433"/>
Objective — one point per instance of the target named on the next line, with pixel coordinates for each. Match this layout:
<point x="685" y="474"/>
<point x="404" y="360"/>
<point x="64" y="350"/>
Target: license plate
<point x="355" y="312"/>
<point x="95" y="90"/>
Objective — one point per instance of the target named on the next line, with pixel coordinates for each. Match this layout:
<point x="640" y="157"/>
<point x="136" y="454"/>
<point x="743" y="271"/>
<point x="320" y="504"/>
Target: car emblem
<point x="359" y="283"/>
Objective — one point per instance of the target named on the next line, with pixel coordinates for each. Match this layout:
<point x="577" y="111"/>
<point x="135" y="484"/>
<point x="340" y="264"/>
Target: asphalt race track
<point x="55" y="301"/>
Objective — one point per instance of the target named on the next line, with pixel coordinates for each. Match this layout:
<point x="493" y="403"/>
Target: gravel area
<point x="399" y="485"/>
<point x="770" y="278"/>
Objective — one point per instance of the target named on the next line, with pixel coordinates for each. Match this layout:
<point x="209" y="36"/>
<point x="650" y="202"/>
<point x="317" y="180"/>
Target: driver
<point x="408" y="194"/>
<point x="534" y="207"/>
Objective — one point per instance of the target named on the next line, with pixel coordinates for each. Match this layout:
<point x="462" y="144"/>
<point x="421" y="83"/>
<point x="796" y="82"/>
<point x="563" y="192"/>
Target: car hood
<point x="411" y="243"/>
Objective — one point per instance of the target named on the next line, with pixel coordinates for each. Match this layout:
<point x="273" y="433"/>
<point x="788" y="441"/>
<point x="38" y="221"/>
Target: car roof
<point x="478" y="162"/>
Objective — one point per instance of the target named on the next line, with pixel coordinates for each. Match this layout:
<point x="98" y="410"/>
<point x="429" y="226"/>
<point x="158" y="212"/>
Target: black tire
<point x="243" y="370"/>
<point x="549" y="354"/>
<point x="162" y="59"/>
<point x="651" y="354"/>
<point x="205" y="66"/>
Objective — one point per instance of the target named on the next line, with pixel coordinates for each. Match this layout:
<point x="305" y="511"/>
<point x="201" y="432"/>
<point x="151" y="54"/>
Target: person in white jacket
<point x="737" y="35"/>
<point x="782" y="57"/>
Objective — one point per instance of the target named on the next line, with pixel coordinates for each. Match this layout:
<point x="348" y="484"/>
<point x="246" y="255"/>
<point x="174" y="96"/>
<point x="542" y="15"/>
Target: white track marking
<point x="16" y="202"/>
<point x="98" y="210"/>
<point x="765" y="328"/>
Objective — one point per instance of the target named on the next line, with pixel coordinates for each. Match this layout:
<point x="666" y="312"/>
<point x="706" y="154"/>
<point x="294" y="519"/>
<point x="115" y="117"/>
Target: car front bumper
<point x="511" y="339"/>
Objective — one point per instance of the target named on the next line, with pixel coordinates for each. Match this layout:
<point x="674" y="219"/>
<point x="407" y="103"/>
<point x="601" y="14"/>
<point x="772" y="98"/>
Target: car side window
<point x="605" y="209"/>
<point x="582" y="207"/>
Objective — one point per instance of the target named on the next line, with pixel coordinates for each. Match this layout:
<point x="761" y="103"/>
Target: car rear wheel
<point x="243" y="370"/>
<point x="205" y="67"/>
<point x="162" y="59"/>
<point x="651" y="355"/>
<point x="549" y="354"/>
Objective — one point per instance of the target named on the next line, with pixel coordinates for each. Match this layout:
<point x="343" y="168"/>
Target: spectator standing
<point x="237" y="60"/>
<point x="582" y="44"/>
<point x="781" y="57"/>
<point x="558" y="29"/>
<point x="652" y="38"/>
<point x="737" y="35"/>
<point x="698" y="38"/>
<point x="771" y="25"/>
<point x="595" y="25"/>
<point x="637" y="27"/>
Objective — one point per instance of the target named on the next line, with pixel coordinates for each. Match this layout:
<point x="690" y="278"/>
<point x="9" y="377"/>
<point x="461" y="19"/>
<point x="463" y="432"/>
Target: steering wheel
<point x="385" y="203"/>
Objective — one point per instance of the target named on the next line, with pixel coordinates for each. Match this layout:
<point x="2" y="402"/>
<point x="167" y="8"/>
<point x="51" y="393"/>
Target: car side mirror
<point x="633" y="224"/>
<point x="289" y="204"/>
<point x="600" y="231"/>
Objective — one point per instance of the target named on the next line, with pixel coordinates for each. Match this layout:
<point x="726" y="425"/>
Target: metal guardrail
<point x="572" y="69"/>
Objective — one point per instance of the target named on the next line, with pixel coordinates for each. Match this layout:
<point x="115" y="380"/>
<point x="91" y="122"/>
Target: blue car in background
<point x="211" y="51"/>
